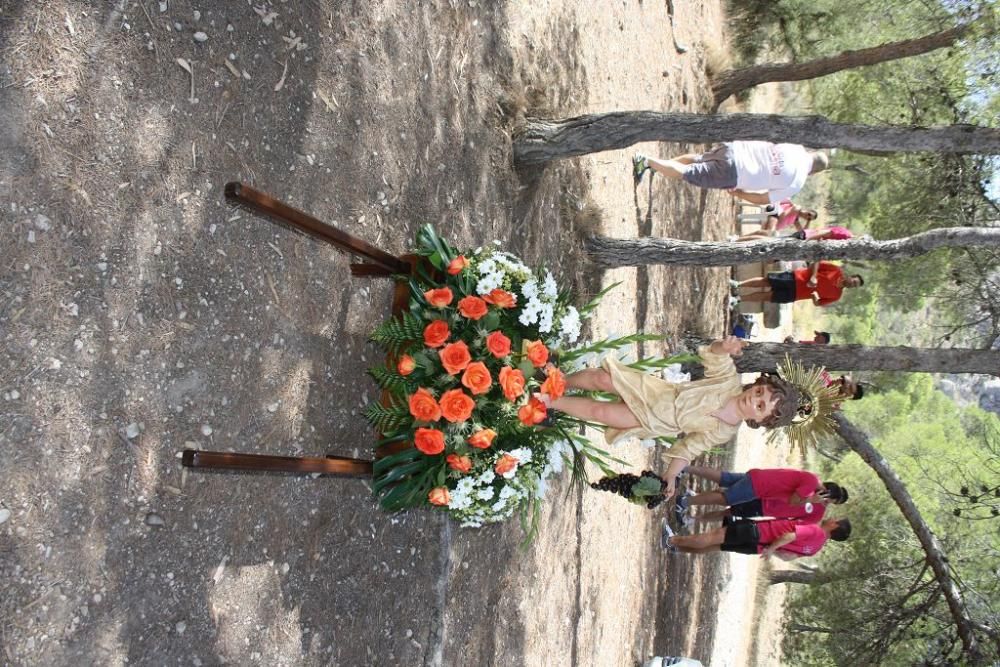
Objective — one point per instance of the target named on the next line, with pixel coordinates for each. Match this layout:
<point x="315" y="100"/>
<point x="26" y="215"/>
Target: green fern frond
<point x="389" y="379"/>
<point x="387" y="419"/>
<point x="397" y="334"/>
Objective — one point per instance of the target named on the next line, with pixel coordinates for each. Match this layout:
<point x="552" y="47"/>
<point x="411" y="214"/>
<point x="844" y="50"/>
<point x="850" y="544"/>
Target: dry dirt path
<point x="140" y="314"/>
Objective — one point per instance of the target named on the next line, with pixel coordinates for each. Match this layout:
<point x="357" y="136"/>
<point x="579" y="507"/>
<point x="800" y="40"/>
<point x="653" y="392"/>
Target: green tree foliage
<point x="882" y="606"/>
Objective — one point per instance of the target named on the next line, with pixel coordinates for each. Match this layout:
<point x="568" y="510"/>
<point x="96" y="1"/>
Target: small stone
<point x="177" y="26"/>
<point x="197" y="15"/>
<point x="206" y="429"/>
<point x="31" y="236"/>
<point x="285" y="567"/>
<point x="200" y="37"/>
<point x="97" y="598"/>
<point x="42" y="223"/>
<point x="273" y="407"/>
<point x="132" y="430"/>
<point x="154" y="519"/>
<point x="14" y="394"/>
<point x="180" y="627"/>
<point x="78" y="345"/>
<point x="163" y="6"/>
<point x="4" y="515"/>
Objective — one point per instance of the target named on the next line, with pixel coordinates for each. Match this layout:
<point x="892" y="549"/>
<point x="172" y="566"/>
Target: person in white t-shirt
<point x="757" y="171"/>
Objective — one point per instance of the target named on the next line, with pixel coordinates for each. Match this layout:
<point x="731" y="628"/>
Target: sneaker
<point x="681" y="505"/>
<point x="734" y="301"/>
<point x="639" y="167"/>
<point x="665" y="534"/>
<point x="734" y="284"/>
<point x="687" y="522"/>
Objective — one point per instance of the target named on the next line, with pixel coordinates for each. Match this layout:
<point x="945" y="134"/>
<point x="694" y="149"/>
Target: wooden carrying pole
<point x="381" y="264"/>
<point x="331" y="465"/>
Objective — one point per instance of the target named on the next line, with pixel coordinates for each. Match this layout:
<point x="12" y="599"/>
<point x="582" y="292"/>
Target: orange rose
<point x="436" y="333"/>
<point x="439" y="298"/>
<point x="462" y="464"/>
<point x="439" y="496"/>
<point x="555" y="382"/>
<point x="498" y="344"/>
<point x="506" y="466"/>
<point x="537" y="353"/>
<point x="457" y="265"/>
<point x="531" y="413"/>
<point x="456" y="406"/>
<point x="482" y="439"/>
<point x="423" y="407"/>
<point x="500" y="298"/>
<point x="406" y="365"/>
<point x="472" y="307"/>
<point x="455" y="357"/>
<point x="476" y="378"/>
<point x="512" y="382"/>
<point x="429" y="440"/>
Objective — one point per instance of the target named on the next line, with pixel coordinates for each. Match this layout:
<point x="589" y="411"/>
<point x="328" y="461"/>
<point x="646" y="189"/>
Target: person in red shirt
<point x="786" y="538"/>
<point x="823" y="282"/>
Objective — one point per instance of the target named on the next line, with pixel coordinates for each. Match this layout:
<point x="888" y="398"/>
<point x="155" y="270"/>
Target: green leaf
<point x="593" y="303"/>
<point x="399" y="458"/>
<point x="647" y="486"/>
<point x="491" y="321"/>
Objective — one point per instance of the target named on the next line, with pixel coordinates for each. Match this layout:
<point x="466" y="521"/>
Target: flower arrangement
<point x="482" y="333"/>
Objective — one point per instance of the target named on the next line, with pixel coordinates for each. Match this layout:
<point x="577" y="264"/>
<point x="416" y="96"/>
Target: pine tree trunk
<point x="610" y="253"/>
<point x="733" y="81"/>
<point x="542" y="140"/>
<point x="758" y="357"/>
<point x="936" y="557"/>
<point x="809" y="577"/>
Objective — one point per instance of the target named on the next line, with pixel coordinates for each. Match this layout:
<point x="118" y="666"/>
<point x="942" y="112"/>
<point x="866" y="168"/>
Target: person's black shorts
<point x="751" y="508"/>
<point x="742" y="537"/>
<point x="782" y="286"/>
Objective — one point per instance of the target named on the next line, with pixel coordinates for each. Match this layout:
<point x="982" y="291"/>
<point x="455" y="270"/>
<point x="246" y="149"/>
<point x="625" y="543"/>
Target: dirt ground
<point x="141" y="314"/>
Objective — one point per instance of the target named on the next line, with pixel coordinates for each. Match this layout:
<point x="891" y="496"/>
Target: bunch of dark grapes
<point x="622" y="485"/>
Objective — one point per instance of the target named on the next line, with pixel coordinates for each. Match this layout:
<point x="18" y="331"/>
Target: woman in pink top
<point x="785" y="214"/>
<point x="789" y="539"/>
<point x="825" y="234"/>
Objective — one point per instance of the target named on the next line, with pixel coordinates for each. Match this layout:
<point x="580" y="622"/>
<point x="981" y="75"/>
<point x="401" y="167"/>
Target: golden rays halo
<point x="814" y="417"/>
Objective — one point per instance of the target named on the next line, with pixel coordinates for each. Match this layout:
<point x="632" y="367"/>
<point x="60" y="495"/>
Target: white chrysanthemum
<point x="530" y="289"/>
<point x="486" y="478"/>
<point x="522" y="454"/>
<point x="672" y="373"/>
<point x="545" y="319"/>
<point x="550" y="289"/>
<point x="509" y="491"/>
<point x="498" y="505"/>
<point x="485" y="493"/>
<point x="569" y="325"/>
<point x="554" y="460"/>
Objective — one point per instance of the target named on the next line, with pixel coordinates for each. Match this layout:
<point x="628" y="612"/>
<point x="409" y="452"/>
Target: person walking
<point x="759" y="172"/>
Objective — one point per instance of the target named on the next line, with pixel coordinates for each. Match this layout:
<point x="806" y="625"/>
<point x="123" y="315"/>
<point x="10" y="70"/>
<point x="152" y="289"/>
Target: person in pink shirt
<point x="832" y="233"/>
<point x="788" y="539"/>
<point x="776" y="508"/>
<point x="793" y="493"/>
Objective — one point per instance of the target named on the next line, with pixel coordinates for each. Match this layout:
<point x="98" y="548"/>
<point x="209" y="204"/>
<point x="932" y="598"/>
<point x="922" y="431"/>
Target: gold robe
<point x="665" y="408"/>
